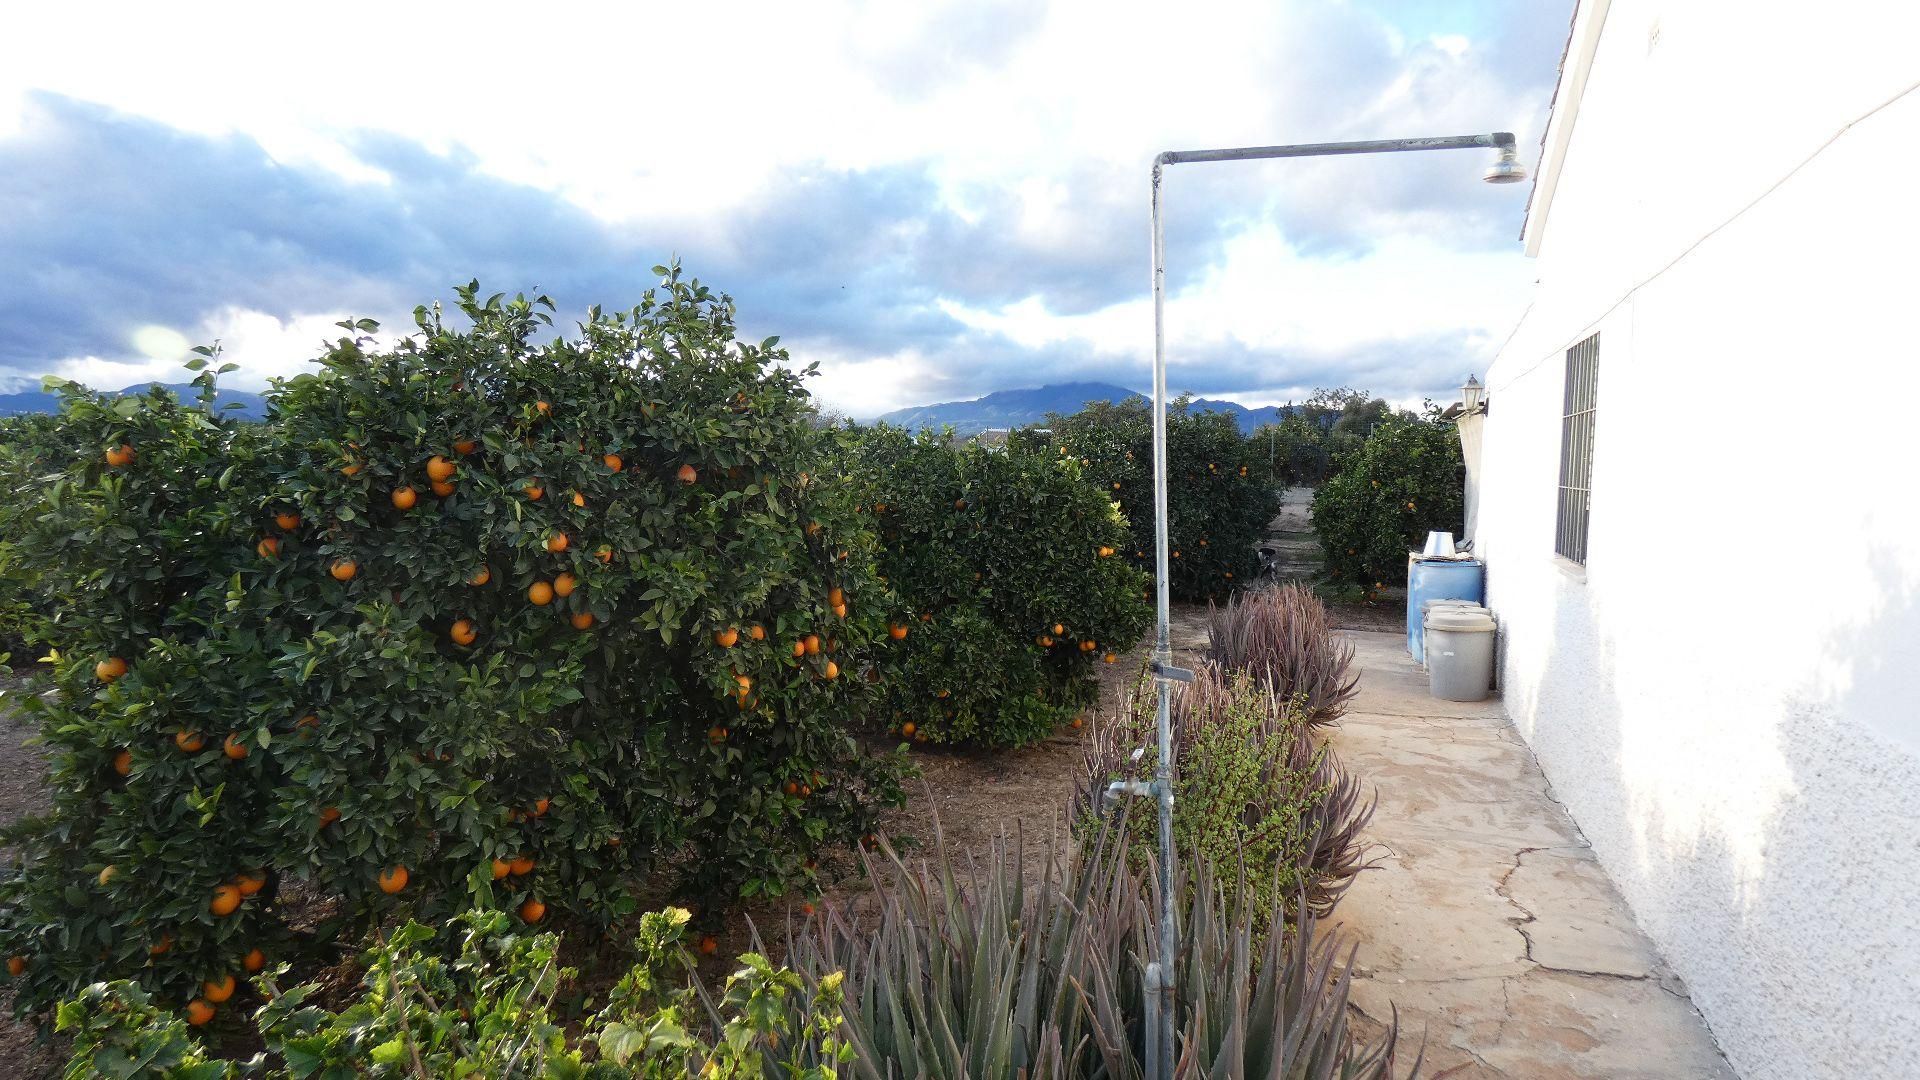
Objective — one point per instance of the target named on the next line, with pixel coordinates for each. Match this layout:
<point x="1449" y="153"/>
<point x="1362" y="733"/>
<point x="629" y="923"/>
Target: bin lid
<point x="1470" y="605"/>
<point x="1459" y="621"/>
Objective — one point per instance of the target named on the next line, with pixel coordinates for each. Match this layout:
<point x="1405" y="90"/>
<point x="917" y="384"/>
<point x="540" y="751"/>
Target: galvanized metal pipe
<point x="1161" y="1019"/>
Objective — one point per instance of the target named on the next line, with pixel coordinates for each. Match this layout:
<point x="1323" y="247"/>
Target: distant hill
<point x="252" y="406"/>
<point x="1019" y="408"/>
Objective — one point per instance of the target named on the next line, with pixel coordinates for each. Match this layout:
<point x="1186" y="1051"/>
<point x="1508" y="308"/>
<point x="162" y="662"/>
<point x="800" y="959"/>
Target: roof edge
<point x="1583" y="41"/>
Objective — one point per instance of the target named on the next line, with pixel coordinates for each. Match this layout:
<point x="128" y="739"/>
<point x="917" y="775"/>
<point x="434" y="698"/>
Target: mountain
<point x="252" y="406"/>
<point x="1019" y="408"/>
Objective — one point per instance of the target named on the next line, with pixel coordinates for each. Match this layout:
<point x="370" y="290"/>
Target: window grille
<point x="1576" y="450"/>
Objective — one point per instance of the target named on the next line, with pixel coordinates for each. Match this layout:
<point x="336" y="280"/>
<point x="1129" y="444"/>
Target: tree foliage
<point x="1406" y="480"/>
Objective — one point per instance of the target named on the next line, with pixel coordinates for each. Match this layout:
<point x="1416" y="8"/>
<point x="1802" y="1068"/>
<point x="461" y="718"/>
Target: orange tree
<point x="471" y="620"/>
<point x="1007" y="580"/>
<point x="1405" y="480"/>
<point x="1221" y="493"/>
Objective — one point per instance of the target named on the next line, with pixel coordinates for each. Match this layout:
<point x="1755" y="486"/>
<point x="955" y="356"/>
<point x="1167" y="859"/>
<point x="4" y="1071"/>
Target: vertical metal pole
<point x="1160" y="981"/>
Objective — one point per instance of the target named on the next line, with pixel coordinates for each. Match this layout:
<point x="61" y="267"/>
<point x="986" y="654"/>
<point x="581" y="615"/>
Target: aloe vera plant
<point x="1282" y="636"/>
<point x="978" y="970"/>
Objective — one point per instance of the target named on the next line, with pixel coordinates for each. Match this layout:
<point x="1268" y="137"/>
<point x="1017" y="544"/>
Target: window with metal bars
<point x="1576" y="450"/>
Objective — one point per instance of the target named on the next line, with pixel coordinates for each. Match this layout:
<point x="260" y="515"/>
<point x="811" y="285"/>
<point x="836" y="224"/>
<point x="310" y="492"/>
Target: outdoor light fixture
<point x="1159" y="973"/>
<point x="1470" y="394"/>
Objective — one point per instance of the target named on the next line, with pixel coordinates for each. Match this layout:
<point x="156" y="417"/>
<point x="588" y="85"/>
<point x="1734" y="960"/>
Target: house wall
<point x="1727" y="698"/>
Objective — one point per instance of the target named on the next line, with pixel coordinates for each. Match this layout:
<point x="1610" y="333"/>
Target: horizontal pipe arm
<point x="1501" y="139"/>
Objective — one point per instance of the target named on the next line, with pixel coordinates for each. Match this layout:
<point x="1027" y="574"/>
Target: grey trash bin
<point x="1459" y="654"/>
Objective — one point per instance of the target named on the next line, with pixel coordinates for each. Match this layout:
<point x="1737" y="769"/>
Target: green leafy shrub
<point x="1221" y="491"/>
<point x="30" y="454"/>
<point x="1280" y="636"/>
<point x="1406" y="480"/>
<point x="350" y="648"/>
<point x="1250" y="783"/>
<point x="1005" y="566"/>
<point x="982" y="972"/>
<point x="485" y="1009"/>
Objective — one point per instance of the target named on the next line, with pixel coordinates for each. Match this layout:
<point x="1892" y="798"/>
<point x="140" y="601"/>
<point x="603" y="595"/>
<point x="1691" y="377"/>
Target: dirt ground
<point x="23" y="791"/>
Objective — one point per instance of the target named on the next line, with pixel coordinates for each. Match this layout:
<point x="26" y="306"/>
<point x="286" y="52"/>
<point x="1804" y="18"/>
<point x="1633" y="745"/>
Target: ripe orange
<point x="717" y="735"/>
<point x="343" y="569"/>
<point x="254" y="960"/>
<point x="220" y="989"/>
<point x="443" y="488"/>
<point x="813" y="528"/>
<point x="812" y="644"/>
<point x="564" y="583"/>
<point x="250" y="882"/>
<point x="501" y="868"/>
<point x="465" y="446"/>
<point x="540" y="807"/>
<point x="106" y="876"/>
<point x="533" y="910"/>
<point x="1105" y="551"/>
<point x="1087" y="646"/>
<point x="329" y="815"/>
<point x="233" y="747"/>
<point x="521" y="865"/>
<point x="542" y="407"/>
<point x="557" y="543"/>
<point x="533" y="491"/>
<point x="352" y="468"/>
<point x="604" y="554"/>
<point x="226" y="900"/>
<point x="839" y="611"/>
<point x="540" y="594"/>
<point x="109" y="669"/>
<point x="120" y="455"/>
<point x="757" y="632"/>
<point x="392" y="879"/>
<point x="404" y="497"/>
<point x="1058" y="630"/>
<point x="709" y="945"/>
<point x="745" y="682"/>
<point x="1109" y="658"/>
<point x="123" y="762"/>
<point x="907" y="729"/>
<point x="1044" y="641"/>
<point x="439" y="468"/>
<point x="582" y="620"/>
<point x="897" y="631"/>
<point x="463" y="632"/>
<point x="836" y="596"/>
<point x="612" y="462"/>
<point x="687" y="474"/>
<point x="189" y="741"/>
<point x="268" y="548"/>
<point x="481" y="576"/>
<point x="959" y="504"/>
<point x="161" y="947"/>
<point x="832" y="670"/>
<point x="799" y="649"/>
<point x="287" y="520"/>
<point x="199" y="1012"/>
<point x="726" y="638"/>
<point x="579" y="500"/>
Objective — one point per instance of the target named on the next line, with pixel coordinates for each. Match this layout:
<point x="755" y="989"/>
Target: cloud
<point x="930" y="201"/>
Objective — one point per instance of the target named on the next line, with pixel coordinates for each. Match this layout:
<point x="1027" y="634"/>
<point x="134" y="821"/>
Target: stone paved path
<point x="1487" y="922"/>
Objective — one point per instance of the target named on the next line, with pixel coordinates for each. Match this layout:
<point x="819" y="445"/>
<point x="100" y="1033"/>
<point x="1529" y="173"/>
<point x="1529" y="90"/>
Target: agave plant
<point x="1281" y="635"/>
<point x="982" y="972"/>
<point x="1251" y="784"/>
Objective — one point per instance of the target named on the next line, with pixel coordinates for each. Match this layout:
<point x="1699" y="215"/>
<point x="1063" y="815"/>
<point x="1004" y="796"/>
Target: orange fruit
<point x="392" y="879"/>
<point x="287" y="520"/>
<point x="1087" y="646"/>
<point x="564" y="583"/>
<point x="799" y="649"/>
<point x="709" y="945"/>
<point x="839" y="611"/>
<point x="542" y="407"/>
<point x="501" y="868"/>
<point x="343" y="569"/>
<point x="926" y="616"/>
<point x="199" y="1012"/>
<point x="1044" y="641"/>
<point x="254" y="960"/>
<point x="1058" y="629"/>
<point x="832" y="670"/>
<point x="463" y="632"/>
<point x="687" y="474"/>
<point x="106" y="876"/>
<point x="161" y="947"/>
<point x="540" y="594"/>
<point x="123" y="762"/>
<point x="836" y="596"/>
<point x="717" y="735"/>
<point x="443" y="488"/>
<point x="268" y="548"/>
<point x="521" y="865"/>
<point x="439" y="468"/>
<point x="120" y="455"/>
<point x="745" y="682"/>
<point x="189" y="741"/>
<point x="218" y="990"/>
<point x="109" y="669"/>
<point x="481" y="576"/>
<point x="533" y="491"/>
<point x="533" y="910"/>
<point x="250" y="882"/>
<point x="465" y="446"/>
<point x="612" y="462"/>
<point x="306" y="725"/>
<point x="812" y="644"/>
<point x="726" y="638"/>
<point x="582" y="620"/>
<point x="329" y="815"/>
<point x="352" y="468"/>
<point x="579" y="500"/>
<point x="226" y="900"/>
<point x="233" y="747"/>
<point x="557" y="543"/>
<point x="541" y="806"/>
<point x="1109" y="658"/>
<point x="603" y="553"/>
<point x="404" y="497"/>
<point x="907" y="729"/>
<point x="897" y="631"/>
<point x="757" y="632"/>
<point x="1105" y="551"/>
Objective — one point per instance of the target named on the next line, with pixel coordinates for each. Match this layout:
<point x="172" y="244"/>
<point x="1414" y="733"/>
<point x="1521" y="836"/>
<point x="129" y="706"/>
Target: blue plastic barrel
<point x="1439" y="579"/>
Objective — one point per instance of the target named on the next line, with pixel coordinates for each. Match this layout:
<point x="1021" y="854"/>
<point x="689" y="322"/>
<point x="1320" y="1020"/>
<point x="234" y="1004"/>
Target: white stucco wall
<point x="1728" y="699"/>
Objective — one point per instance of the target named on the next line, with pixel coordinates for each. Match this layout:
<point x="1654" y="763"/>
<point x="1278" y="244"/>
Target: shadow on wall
<point x="1788" y="900"/>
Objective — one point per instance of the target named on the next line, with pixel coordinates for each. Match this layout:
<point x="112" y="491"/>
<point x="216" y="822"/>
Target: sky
<point x="933" y="200"/>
